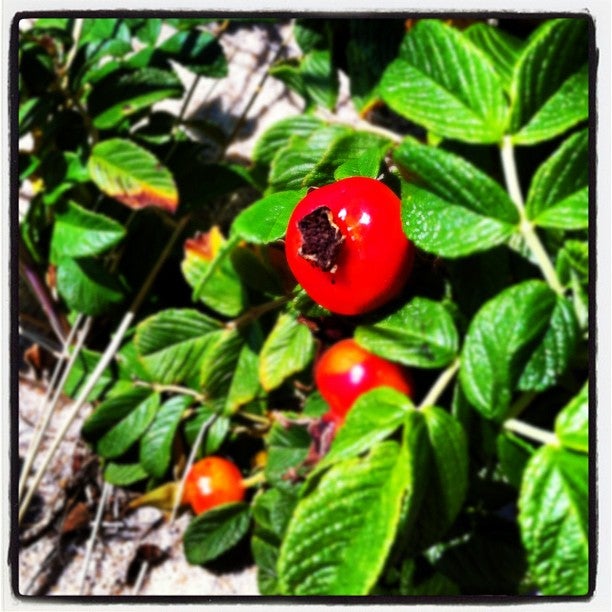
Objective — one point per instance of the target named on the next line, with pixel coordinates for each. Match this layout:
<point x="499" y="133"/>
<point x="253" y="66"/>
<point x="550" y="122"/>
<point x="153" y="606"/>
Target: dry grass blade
<point x="106" y="490"/>
<point x="48" y="405"/>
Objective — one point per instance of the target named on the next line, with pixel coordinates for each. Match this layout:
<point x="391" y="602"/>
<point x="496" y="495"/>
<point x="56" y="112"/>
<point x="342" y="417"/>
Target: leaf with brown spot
<point x="132" y="175"/>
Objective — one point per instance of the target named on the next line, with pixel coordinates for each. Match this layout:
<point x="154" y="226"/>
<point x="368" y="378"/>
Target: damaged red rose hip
<point x="346" y="247"/>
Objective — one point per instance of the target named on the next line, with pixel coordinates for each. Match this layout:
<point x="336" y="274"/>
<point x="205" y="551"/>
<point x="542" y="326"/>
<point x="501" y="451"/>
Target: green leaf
<point x="311" y="33"/>
<point x="216" y="433"/>
<point x="215" y="531"/>
<point x="219" y="362"/>
<point x="287" y="449"/>
<point x="278" y="135"/>
<point x="288" y="72"/>
<point x="572" y="423"/>
<point x="98" y="30"/>
<point x="502" y="49"/>
<point x="558" y="194"/>
<point x="499" y="342"/>
<point x="320" y="78"/>
<point x="445" y="83"/>
<point x="245" y="380"/>
<point x="200" y="52"/>
<point x="452" y="178"/>
<point x="209" y="270"/>
<point x="421" y="333"/>
<point x="86" y="286"/>
<point x="78" y="232"/>
<point x="438" y="467"/>
<point x="114" y="379"/>
<point x="374" y="416"/>
<point x="34" y="112"/>
<point x="340" y="534"/>
<point x="266" y="220"/>
<point x="353" y="149"/>
<point x="146" y="29"/>
<point x="129" y="94"/>
<point x="120" y="421"/>
<point x="553" y="516"/>
<point x="544" y="103"/>
<point x="552" y="357"/>
<point x="293" y="166"/>
<point x="111" y="411"/>
<point x="566" y="108"/>
<point x="288" y="349"/>
<point x="447" y="229"/>
<point x="315" y="406"/>
<point x="367" y="164"/>
<point x="133" y="176"/>
<point x="271" y="511"/>
<point x="464" y="211"/>
<point x="265" y="555"/>
<point x="513" y="453"/>
<point x="156" y="443"/>
<point x="124" y="474"/>
<point x="127" y="431"/>
<point x="573" y="258"/>
<point x="172" y="343"/>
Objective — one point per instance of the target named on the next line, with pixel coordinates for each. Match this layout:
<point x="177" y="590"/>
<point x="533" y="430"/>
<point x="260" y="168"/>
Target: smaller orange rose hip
<point x="212" y="481"/>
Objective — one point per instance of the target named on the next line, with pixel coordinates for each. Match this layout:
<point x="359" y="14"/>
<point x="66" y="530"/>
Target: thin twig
<point x="106" y="489"/>
<point x="440" y="385"/>
<point x="530" y="431"/>
<point x="76" y="35"/>
<point x="41" y="292"/>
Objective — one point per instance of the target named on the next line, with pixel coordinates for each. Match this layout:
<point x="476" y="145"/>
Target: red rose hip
<point x="346" y="370"/>
<point x="212" y="481"/>
<point x="346" y="247"/>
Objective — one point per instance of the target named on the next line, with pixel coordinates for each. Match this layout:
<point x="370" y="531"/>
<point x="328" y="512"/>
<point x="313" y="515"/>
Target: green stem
<point x="254" y="480"/>
<point x="252" y="314"/>
<point x="159" y="388"/>
<point x="521" y="403"/>
<point x="360" y="124"/>
<point x="530" y="431"/>
<point x="440" y="385"/>
<point x="526" y="227"/>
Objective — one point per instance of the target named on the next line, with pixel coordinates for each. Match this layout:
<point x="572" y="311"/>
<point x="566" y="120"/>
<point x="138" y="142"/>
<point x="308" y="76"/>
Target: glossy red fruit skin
<point x="212" y="481"/>
<point x="375" y="257"/>
<point x="346" y="370"/>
